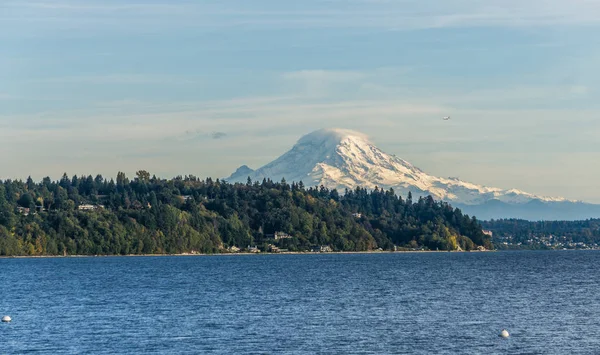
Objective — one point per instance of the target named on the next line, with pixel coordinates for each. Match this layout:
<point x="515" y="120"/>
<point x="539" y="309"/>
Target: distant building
<point x="486" y="232"/>
<point x="253" y="249"/>
<point x="322" y="249"/>
<point x="357" y="215"/>
<point x="273" y="248"/>
<point x="23" y="210"/>
<point x="281" y="235"/>
<point x="234" y="249"/>
<point x="86" y="207"/>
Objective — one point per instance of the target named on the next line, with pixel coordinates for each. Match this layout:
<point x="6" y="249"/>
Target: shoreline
<point x="280" y="253"/>
<point x="238" y="254"/>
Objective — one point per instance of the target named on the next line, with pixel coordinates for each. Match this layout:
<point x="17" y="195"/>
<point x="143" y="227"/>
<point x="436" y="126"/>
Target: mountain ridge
<point x="345" y="159"/>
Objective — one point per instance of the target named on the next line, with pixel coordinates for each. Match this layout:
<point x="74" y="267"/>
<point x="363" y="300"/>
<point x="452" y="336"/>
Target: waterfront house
<point x="326" y="249"/>
<point x="321" y="249"/>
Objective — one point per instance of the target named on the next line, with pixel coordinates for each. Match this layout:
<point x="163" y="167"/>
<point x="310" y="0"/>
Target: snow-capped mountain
<point x="340" y="159"/>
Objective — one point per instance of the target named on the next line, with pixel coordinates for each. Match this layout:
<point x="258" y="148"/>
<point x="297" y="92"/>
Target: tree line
<point x="522" y="231"/>
<point x="86" y="215"/>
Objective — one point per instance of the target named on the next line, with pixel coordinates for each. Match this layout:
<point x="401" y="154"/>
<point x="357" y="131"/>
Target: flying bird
<point x="446" y="118"/>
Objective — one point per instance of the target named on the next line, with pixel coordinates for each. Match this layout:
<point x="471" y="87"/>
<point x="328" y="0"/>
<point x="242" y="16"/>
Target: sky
<point x="202" y="87"/>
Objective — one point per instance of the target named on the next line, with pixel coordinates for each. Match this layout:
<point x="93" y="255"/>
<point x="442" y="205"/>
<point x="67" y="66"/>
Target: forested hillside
<point x="147" y="215"/>
<point x="519" y="234"/>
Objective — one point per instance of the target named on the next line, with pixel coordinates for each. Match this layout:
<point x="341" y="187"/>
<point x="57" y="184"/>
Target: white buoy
<point x="6" y="319"/>
<point x="504" y="333"/>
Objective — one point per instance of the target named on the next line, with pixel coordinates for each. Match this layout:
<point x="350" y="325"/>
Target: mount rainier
<point x="343" y="159"/>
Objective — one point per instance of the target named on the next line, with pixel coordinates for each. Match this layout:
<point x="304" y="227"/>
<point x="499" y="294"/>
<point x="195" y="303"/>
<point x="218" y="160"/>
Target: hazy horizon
<point x="201" y="88"/>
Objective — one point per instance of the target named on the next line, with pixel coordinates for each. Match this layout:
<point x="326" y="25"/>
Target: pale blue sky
<point x="99" y="86"/>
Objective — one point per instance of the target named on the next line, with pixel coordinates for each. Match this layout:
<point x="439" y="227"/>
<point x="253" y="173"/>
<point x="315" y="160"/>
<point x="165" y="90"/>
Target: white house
<point x="281" y="235"/>
<point x="87" y="207"/>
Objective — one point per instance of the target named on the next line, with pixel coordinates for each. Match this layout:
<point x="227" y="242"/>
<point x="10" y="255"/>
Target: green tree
<point x="26" y="200"/>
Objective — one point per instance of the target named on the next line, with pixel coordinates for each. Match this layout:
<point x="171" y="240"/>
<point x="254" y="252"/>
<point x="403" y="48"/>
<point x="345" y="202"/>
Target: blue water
<point x="403" y="303"/>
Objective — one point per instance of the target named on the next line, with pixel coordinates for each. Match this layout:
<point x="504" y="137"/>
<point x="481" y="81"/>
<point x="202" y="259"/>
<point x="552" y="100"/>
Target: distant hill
<point x="521" y="234"/>
<point x="342" y="159"/>
<point x="534" y="210"/>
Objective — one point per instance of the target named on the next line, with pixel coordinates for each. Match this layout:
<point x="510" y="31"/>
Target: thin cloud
<point x="327" y="82"/>
<point x="219" y="135"/>
<point x="197" y="135"/>
<point x="264" y="131"/>
<point x="388" y="15"/>
<point x="324" y="75"/>
<point x="118" y="79"/>
<point x="90" y="6"/>
<point x="7" y="97"/>
<point x="254" y="116"/>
